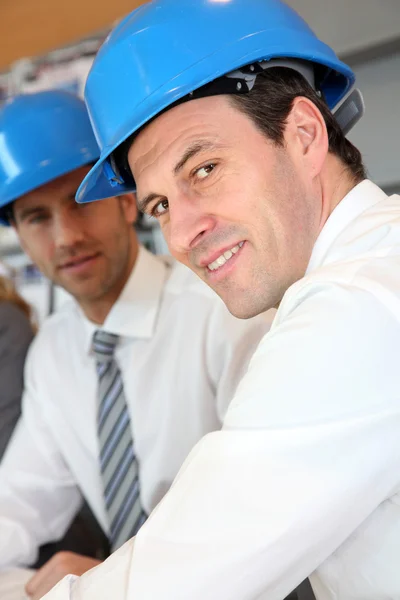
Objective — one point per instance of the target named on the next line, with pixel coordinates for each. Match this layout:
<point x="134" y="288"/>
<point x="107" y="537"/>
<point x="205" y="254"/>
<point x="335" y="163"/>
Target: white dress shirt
<point x="304" y="478"/>
<point x="181" y="356"/>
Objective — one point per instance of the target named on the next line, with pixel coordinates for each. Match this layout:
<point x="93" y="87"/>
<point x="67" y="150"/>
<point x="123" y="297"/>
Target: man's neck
<point x="97" y="311"/>
<point x="336" y="183"/>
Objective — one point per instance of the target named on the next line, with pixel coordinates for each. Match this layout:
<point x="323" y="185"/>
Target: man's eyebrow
<point x="143" y="204"/>
<point x="29" y="211"/>
<point x="192" y="150"/>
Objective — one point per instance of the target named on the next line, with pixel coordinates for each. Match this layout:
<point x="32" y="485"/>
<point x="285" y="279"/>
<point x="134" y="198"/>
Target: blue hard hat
<point x="167" y="49"/>
<point x="42" y="136"/>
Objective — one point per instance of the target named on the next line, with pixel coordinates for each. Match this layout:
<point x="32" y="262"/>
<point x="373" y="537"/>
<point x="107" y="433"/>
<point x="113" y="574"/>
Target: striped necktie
<point x="118" y="463"/>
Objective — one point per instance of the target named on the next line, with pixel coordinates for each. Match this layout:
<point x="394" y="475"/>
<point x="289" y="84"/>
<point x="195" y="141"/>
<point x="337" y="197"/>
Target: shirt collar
<point x="362" y="197"/>
<point x="135" y="312"/>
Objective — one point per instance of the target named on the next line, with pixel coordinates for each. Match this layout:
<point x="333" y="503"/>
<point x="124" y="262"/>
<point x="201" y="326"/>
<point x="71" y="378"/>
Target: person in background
<point x="124" y="379"/>
<point x="16" y="333"/>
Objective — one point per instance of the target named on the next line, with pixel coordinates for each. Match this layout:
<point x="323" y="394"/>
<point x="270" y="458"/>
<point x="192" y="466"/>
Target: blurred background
<point x="48" y="43"/>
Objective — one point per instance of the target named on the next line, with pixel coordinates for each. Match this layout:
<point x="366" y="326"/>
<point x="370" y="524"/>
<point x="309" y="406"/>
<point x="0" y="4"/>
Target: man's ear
<point x="128" y="203"/>
<point x="308" y="135"/>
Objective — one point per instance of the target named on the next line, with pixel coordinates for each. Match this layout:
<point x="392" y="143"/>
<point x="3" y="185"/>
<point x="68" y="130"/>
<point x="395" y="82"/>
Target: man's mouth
<point x="221" y="260"/>
<point x="78" y="262"/>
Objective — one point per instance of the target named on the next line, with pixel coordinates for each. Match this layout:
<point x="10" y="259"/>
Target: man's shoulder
<point x="367" y="280"/>
<point x="365" y="256"/>
<point x="57" y="324"/>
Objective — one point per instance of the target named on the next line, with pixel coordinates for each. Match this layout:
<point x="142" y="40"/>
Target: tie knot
<point x="103" y="345"/>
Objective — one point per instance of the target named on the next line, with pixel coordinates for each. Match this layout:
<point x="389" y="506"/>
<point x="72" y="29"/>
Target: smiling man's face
<point x="234" y="207"/>
<point x="87" y="249"/>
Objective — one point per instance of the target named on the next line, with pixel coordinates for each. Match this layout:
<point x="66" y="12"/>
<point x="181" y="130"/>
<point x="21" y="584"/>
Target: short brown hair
<point x="270" y="101"/>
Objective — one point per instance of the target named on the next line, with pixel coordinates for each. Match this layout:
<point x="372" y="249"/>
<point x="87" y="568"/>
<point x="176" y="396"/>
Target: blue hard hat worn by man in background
<point x="57" y="114"/>
<point x="225" y="117"/>
<point x="125" y="378"/>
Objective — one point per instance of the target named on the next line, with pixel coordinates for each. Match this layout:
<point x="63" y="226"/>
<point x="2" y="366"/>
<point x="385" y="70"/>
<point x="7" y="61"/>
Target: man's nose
<point x="189" y="223"/>
<point x="67" y="230"/>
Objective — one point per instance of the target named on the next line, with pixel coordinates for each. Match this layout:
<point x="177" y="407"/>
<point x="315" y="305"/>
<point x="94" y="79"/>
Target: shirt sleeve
<point x="38" y="495"/>
<point x="310" y="448"/>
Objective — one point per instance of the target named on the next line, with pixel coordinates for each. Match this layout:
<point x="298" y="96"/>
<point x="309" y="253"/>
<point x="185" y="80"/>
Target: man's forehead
<point x="196" y="121"/>
<point x="56" y="190"/>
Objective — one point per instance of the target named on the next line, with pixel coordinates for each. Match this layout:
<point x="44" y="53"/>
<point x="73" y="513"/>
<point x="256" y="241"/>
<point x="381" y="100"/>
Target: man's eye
<point x="205" y="171"/>
<point x="35" y="219"/>
<point x="160" y="208"/>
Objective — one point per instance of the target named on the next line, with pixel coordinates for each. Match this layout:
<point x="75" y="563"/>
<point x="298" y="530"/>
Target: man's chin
<point x="80" y="291"/>
<point x="242" y="312"/>
<point x="244" y="304"/>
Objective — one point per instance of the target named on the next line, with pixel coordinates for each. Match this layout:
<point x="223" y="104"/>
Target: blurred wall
<point x="351" y="26"/>
<point x="33" y="27"/>
<point x="378" y="133"/>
